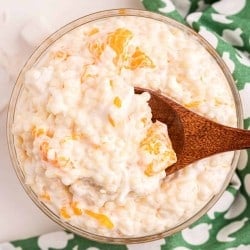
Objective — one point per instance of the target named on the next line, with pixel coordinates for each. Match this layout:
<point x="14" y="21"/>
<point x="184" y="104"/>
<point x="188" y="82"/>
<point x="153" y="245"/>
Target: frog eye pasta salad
<point x="86" y="143"/>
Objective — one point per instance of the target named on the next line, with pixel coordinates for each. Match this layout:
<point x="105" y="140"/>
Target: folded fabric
<point x="225" y="25"/>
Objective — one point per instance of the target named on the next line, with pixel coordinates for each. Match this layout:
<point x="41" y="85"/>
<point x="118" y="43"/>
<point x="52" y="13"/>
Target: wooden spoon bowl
<point x="193" y="137"/>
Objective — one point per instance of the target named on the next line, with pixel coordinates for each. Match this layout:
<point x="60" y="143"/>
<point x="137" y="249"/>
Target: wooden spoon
<point x="193" y="137"/>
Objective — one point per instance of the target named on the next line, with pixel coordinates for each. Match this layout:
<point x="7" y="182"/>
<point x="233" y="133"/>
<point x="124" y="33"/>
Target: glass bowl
<point x="18" y="88"/>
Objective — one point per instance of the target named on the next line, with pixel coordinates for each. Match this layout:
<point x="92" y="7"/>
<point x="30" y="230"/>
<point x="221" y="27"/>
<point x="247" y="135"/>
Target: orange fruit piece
<point x="158" y="146"/>
<point x="64" y="213"/>
<point x="117" y="102"/>
<point x="101" y="218"/>
<point x="61" y="55"/>
<point x="119" y="39"/>
<point x="36" y="132"/>
<point x="149" y="170"/>
<point x="93" y="31"/>
<point x="75" y="208"/>
<point x="45" y="196"/>
<point x="140" y="60"/>
<point x="153" y="141"/>
<point x="111" y="120"/>
<point x="193" y="104"/>
<point x="96" y="48"/>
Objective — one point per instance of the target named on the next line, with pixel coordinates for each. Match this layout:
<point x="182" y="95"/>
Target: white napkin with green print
<point x="226" y="25"/>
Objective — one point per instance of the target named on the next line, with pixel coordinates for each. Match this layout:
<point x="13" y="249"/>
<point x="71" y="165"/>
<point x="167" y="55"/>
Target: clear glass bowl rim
<point x="35" y="57"/>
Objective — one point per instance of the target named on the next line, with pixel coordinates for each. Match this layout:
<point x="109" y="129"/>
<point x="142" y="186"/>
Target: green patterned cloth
<point x="226" y="25"/>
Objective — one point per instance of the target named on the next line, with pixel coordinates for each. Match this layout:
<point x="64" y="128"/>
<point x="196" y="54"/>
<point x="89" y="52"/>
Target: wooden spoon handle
<point x="236" y="139"/>
<point x="210" y="138"/>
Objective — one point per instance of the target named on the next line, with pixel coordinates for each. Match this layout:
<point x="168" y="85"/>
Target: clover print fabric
<point x="225" y="25"/>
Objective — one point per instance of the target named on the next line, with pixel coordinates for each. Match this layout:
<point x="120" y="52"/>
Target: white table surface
<point x="19" y="217"/>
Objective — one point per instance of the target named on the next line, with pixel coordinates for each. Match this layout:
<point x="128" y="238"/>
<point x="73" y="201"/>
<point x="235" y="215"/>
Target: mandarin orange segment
<point x="50" y="133"/>
<point x="62" y="55"/>
<point x="193" y="104"/>
<point x="157" y="146"/>
<point x="119" y="39"/>
<point x="96" y="48"/>
<point x="64" y="213"/>
<point x="117" y="102"/>
<point x="111" y="120"/>
<point x="101" y="218"/>
<point x="36" y="132"/>
<point x="111" y="83"/>
<point x="75" y="208"/>
<point x="93" y="31"/>
<point x="140" y="60"/>
<point x="73" y="137"/>
<point x="45" y="196"/>
<point x="170" y="155"/>
<point x="152" y="142"/>
<point x="149" y="170"/>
